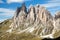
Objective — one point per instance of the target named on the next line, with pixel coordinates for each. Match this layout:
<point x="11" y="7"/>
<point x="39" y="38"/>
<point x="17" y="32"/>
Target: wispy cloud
<point x="18" y="1"/>
<point x="6" y="13"/>
<point x="5" y="10"/>
<point x="1" y="1"/>
<point x="52" y="3"/>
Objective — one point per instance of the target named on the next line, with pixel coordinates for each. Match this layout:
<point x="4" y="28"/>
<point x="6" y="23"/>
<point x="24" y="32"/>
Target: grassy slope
<point x="5" y="25"/>
<point x="23" y="36"/>
<point x="57" y="34"/>
<point x="12" y="36"/>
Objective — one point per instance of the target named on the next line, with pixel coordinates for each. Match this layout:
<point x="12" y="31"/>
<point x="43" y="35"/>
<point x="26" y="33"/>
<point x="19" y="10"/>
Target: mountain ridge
<point x="37" y="20"/>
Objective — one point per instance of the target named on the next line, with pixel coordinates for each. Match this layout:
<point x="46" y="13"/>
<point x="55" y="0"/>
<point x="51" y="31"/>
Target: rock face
<point x="31" y="14"/>
<point x="57" y="21"/>
<point x="36" y="20"/>
<point x="20" y="16"/>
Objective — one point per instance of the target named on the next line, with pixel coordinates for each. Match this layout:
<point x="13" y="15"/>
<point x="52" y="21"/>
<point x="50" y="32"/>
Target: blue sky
<point x="8" y="7"/>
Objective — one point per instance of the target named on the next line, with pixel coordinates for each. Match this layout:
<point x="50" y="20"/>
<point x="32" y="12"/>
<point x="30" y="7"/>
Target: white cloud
<point x="18" y="1"/>
<point x="52" y="3"/>
<point x="1" y="1"/>
<point x="6" y="13"/>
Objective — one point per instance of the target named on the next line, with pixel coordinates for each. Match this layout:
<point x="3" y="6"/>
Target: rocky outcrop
<point x="56" y="23"/>
<point x="57" y="20"/>
<point x="31" y="14"/>
<point x="42" y="14"/>
<point x="19" y="17"/>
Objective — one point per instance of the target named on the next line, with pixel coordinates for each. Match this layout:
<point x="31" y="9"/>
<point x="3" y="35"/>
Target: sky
<point x="8" y="7"/>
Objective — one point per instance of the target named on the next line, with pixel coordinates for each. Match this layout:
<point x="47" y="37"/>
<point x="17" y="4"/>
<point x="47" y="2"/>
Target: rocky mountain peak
<point x="23" y="7"/>
<point x="38" y="5"/>
<point x="57" y="15"/>
<point x="43" y="14"/>
<point x="31" y="14"/>
<point x="57" y="20"/>
<point x="36" y="14"/>
<point x="36" y="20"/>
<point x="31" y="8"/>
